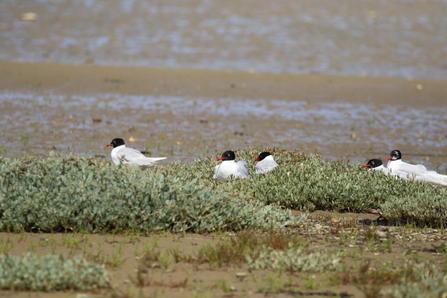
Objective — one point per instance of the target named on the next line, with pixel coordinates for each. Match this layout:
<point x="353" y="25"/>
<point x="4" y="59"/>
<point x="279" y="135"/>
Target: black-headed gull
<point x="230" y="167"/>
<point x="266" y="163"/>
<point x="122" y="154"/>
<point x="376" y="164"/>
<point x="413" y="172"/>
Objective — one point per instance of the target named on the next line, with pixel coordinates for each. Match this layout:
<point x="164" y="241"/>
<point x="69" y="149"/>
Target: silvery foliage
<point x="309" y="183"/>
<point x="73" y="193"/>
<point x="50" y="273"/>
<point x="427" y="282"/>
<point x="295" y="259"/>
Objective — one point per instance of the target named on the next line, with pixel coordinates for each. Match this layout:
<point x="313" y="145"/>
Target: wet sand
<point x="94" y="79"/>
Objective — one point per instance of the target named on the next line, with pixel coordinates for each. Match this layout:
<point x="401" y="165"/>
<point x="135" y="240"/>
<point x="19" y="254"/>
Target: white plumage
<point x="122" y="154"/>
<point x="413" y="172"/>
<point x="377" y="165"/>
<point x="266" y="163"/>
<point x="229" y="167"/>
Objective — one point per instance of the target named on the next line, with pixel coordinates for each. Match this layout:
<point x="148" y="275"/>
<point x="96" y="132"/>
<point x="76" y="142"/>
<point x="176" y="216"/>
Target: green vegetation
<point x="308" y="183"/>
<point x="72" y="193"/>
<point x="50" y="273"/>
<point x="234" y="251"/>
<point x="295" y="260"/>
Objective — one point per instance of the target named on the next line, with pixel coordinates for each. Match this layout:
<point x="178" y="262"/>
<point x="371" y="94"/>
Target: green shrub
<point x="295" y="259"/>
<point x="429" y="282"/>
<point x="309" y="183"/>
<point x="59" y="193"/>
<point x="83" y="194"/>
<point x="426" y="206"/>
<point x="50" y="273"/>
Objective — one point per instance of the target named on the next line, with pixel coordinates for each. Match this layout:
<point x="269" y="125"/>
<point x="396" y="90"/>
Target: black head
<point x="373" y="163"/>
<point x="262" y="156"/>
<point x="116" y="142"/>
<point x="227" y="155"/>
<point x="395" y="155"/>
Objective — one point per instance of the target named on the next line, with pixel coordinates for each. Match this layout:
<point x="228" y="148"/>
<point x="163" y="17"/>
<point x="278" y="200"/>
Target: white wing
<point x="382" y="169"/>
<point x="433" y="178"/>
<point x="216" y="172"/>
<point x="406" y="170"/>
<point x="265" y="166"/>
<point x="242" y="170"/>
<point x="134" y="157"/>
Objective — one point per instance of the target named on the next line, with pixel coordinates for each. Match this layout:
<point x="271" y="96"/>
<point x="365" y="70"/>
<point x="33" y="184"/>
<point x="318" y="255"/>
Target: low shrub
<point x="430" y="282"/>
<point x="50" y="273"/>
<point x="84" y="194"/>
<point x="75" y="193"/>
<point x="295" y="259"/>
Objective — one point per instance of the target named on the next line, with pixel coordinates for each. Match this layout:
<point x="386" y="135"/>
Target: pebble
<point x="29" y="16"/>
<point x="241" y="274"/>
<point x="380" y="234"/>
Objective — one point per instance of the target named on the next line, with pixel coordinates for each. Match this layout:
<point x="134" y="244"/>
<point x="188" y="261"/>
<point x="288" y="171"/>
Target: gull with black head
<point x="229" y="167"/>
<point x="125" y="155"/>
<point x="266" y="163"/>
<point x="412" y="172"/>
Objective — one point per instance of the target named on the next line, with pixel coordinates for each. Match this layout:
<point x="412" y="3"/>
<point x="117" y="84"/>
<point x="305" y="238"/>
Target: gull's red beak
<point x="365" y="166"/>
<point x="109" y="145"/>
<point x="256" y="159"/>
<point x="389" y="158"/>
<point x="220" y="158"/>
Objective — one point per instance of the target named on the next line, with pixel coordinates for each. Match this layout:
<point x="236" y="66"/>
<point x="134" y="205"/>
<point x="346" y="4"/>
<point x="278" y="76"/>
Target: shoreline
<point x="187" y="113"/>
<point x="87" y="79"/>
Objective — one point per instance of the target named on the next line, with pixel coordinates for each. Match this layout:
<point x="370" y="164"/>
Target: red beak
<point x="365" y="166"/>
<point x="220" y="158"/>
<point x="389" y="158"/>
<point x="256" y="159"/>
<point x="109" y="145"/>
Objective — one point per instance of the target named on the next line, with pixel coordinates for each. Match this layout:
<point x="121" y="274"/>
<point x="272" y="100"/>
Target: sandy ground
<point x="187" y="280"/>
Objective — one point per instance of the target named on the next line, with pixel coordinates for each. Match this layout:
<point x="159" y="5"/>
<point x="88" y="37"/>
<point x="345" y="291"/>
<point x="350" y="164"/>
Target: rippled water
<point x="375" y="37"/>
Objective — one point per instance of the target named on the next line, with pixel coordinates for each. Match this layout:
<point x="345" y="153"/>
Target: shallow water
<point x="182" y="128"/>
<point x="387" y="38"/>
<point x="375" y="37"/>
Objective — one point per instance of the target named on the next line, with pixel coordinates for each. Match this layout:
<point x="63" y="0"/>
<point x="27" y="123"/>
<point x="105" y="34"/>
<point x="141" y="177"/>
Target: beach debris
<point x="29" y="16"/>
<point x="241" y="275"/>
<point x="372" y="14"/>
